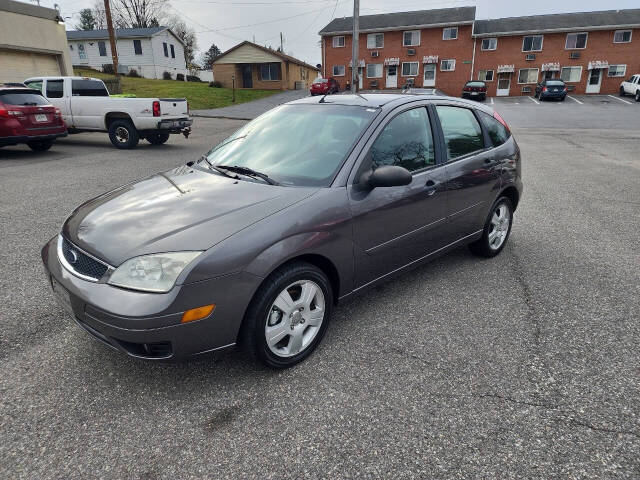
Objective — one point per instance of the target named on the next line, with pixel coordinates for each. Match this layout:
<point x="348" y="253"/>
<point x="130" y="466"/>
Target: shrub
<point x="166" y="75"/>
<point x="133" y="73"/>
<point x="108" y="68"/>
<point x="215" y="84"/>
<point x="193" y="78"/>
<point x="180" y="77"/>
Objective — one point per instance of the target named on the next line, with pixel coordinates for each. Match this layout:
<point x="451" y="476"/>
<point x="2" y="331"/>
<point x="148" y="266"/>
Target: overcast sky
<point x="227" y="22"/>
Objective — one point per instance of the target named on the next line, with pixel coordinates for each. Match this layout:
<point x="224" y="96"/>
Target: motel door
<point x="504" y="84"/>
<point x="392" y="76"/>
<point x="429" y="75"/>
<point x="594" y="80"/>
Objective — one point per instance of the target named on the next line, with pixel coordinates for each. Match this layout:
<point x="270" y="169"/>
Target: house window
<point x="375" y="40"/>
<point x="137" y="47"/>
<point x="409" y="69"/>
<point x="617" y="71"/>
<point x="374" y="70"/>
<point x="447" y="65"/>
<point x="338" y="70"/>
<point x="528" y="75"/>
<point x="173" y="52"/>
<point x="489" y="43"/>
<point x="571" y="74"/>
<point x="576" y="40"/>
<point x="450" y="33"/>
<point x="532" y="43"/>
<point x="165" y="48"/>
<point x="411" y="39"/>
<point x="338" y="42"/>
<point x="270" y="71"/>
<point x="485" y="75"/>
<point x="622" y="36"/>
<point x="82" y="53"/>
<point x="102" y="48"/>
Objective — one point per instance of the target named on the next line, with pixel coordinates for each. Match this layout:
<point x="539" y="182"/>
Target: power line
<point x="260" y="23"/>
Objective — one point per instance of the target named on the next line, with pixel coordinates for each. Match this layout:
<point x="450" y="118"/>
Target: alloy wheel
<point x="122" y="135"/>
<point x="499" y="227"/>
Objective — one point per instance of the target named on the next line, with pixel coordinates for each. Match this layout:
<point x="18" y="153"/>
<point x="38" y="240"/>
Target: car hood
<point x="182" y="209"/>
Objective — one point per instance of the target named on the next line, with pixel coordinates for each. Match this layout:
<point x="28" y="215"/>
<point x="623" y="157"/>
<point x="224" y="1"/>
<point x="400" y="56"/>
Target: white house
<point x="150" y="51"/>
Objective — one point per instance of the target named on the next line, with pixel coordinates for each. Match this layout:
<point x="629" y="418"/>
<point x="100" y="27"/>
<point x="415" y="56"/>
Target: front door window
<point x="82" y="53"/>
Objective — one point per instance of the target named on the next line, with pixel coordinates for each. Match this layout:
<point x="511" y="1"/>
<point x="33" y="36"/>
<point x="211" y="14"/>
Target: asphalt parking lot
<point x="522" y="366"/>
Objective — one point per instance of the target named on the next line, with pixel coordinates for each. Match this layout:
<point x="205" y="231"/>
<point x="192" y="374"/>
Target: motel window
<point x="485" y="75"/>
<point x="622" y="36"/>
<point x="375" y="40"/>
<point x="409" y="69"/>
<point x="165" y="48"/>
<point x="489" y="43"/>
<point x="450" y="33"/>
<point x="571" y="74"/>
<point x="338" y="70"/>
<point x="617" y="71"/>
<point x="102" y="48"/>
<point x="270" y="72"/>
<point x="374" y="70"/>
<point x="338" y="41"/>
<point x="411" y="39"/>
<point x="137" y="47"/>
<point x="576" y="40"/>
<point x="173" y="52"/>
<point x="532" y="43"/>
<point x="528" y="75"/>
<point x="447" y="65"/>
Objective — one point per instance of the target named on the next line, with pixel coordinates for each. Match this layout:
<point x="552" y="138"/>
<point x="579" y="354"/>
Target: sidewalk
<point x="250" y="110"/>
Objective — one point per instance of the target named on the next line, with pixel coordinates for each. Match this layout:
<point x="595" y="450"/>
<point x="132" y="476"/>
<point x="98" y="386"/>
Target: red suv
<point x="27" y="117"/>
<point x="324" y="86"/>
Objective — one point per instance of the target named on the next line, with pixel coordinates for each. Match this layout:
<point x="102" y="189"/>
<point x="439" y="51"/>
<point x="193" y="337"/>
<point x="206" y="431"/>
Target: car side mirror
<point x="386" y="176"/>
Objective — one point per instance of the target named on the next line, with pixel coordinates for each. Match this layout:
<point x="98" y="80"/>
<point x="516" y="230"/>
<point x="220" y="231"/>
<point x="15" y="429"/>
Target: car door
<point x="472" y="169"/>
<point x="54" y="91"/>
<point x="394" y="226"/>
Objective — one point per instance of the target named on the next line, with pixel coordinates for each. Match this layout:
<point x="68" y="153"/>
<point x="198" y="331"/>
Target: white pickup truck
<point x="631" y="87"/>
<point x="87" y="107"/>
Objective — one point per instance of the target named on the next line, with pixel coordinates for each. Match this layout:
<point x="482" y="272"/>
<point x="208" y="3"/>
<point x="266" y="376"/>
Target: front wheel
<point x="288" y="316"/>
<point x="622" y="92"/>
<point x="157" y="138"/>
<point x="40" y="145"/>
<point x="637" y="95"/>
<point x="496" y="229"/>
<point x="123" y="134"/>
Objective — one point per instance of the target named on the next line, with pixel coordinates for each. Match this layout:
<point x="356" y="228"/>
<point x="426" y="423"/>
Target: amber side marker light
<point x="197" y="313"/>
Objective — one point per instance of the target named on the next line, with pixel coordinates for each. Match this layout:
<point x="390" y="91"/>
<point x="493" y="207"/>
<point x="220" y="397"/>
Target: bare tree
<point x="184" y="33"/>
<point x="99" y="16"/>
<point x="138" y="13"/>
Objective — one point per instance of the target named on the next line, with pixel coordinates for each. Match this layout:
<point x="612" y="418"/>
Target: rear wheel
<point x="496" y="229"/>
<point x="123" y="134"/>
<point x="637" y="95"/>
<point x="157" y="138"/>
<point x="40" y="145"/>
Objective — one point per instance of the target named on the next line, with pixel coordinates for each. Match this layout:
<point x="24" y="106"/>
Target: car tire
<point x="157" y="138"/>
<point x="491" y="244"/>
<point x="637" y="95"/>
<point x="123" y="134"/>
<point x="40" y="145"/>
<point x="622" y="92"/>
<point x="294" y="333"/>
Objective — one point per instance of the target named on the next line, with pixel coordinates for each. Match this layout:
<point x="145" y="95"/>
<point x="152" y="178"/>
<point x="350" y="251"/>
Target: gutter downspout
<point x="473" y="57"/>
<point x="324" y="59"/>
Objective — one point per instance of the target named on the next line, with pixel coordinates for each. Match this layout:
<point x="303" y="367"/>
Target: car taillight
<point x="544" y="89"/>
<point x="497" y="116"/>
<point x="6" y="113"/>
<point x="156" y="108"/>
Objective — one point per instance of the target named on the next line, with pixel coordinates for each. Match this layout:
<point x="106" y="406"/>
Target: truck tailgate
<point x="173" y="107"/>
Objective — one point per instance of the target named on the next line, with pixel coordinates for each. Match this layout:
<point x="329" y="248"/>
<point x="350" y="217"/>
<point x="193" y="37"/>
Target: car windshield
<point x="22" y="98"/>
<point x="555" y="83"/>
<point x="296" y="145"/>
<point x="320" y="80"/>
<point x="476" y="84"/>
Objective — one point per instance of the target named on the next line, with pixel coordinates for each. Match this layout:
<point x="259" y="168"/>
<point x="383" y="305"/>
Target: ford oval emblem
<point x="74" y="257"/>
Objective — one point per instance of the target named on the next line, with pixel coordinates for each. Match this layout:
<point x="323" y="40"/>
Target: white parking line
<point x="622" y="100"/>
<point x="575" y="100"/>
<point x="534" y="100"/>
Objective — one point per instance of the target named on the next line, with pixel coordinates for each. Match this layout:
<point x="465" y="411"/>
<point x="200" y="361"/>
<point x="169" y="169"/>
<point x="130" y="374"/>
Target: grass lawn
<point x="199" y="94"/>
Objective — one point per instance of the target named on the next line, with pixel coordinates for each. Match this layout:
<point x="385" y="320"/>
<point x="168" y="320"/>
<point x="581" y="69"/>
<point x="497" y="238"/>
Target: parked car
<point x="87" y="107"/>
<point x="631" y="87"/>
<point x="475" y="90"/>
<point x="27" y="117"/>
<point x="310" y="203"/>
<point x="324" y="86"/>
<point x="549" y="89"/>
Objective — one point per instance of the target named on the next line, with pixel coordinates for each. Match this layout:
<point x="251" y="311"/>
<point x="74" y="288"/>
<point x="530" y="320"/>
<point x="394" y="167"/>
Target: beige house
<point x="255" y="66"/>
<point x="32" y="42"/>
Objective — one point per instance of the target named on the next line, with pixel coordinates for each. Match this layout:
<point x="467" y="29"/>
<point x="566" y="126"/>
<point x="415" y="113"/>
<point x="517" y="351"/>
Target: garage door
<point x="16" y="65"/>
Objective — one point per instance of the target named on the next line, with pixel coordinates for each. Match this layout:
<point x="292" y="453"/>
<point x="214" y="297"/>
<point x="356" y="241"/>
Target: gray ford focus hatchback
<point x="310" y="203"/>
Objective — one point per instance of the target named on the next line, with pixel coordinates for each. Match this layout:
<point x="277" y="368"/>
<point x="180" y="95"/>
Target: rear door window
<point x="22" y="98"/>
<point x="497" y="132"/>
<point x="461" y="130"/>
<point x="55" y="88"/>
<point x="88" y="88"/>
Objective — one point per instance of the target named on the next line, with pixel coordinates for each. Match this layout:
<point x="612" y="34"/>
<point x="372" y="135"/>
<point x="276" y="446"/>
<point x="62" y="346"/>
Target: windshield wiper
<point x="247" y="171"/>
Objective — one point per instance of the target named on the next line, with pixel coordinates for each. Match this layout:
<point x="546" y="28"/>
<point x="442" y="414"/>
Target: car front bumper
<point x="31" y="138"/>
<point x="147" y="325"/>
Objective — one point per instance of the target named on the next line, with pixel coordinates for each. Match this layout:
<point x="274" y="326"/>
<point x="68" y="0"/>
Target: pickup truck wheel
<point x="637" y="95"/>
<point x="157" y="138"/>
<point x="123" y="134"/>
<point x="40" y="145"/>
<point x="622" y="92"/>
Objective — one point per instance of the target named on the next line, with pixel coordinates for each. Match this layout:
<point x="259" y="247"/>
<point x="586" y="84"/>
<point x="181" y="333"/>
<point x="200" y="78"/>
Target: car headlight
<point x="152" y="273"/>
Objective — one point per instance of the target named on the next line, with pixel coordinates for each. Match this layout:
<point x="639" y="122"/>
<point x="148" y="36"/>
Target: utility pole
<point x="281" y="44"/>
<point x="354" y="45"/>
<point x="112" y="37"/>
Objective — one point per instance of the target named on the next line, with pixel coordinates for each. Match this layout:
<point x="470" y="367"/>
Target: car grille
<point x="82" y="263"/>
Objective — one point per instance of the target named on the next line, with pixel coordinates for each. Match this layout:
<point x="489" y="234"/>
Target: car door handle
<point x="431" y="187"/>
